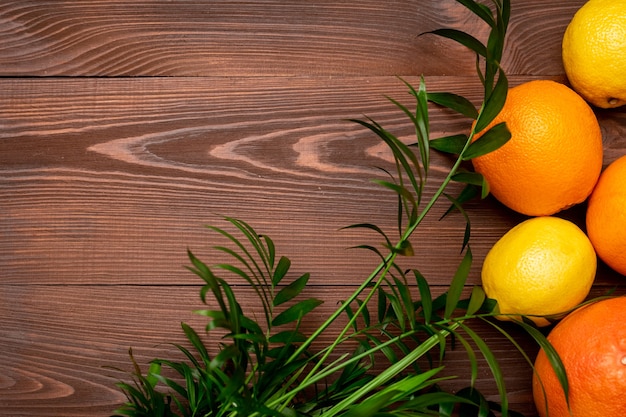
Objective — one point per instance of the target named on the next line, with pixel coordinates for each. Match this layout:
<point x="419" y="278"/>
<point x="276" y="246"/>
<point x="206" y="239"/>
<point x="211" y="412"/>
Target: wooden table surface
<point x="126" y="126"/>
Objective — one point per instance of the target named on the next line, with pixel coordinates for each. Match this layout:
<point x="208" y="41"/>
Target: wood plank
<point x="60" y="344"/>
<point x="270" y="37"/>
<point x="65" y="347"/>
<point x="118" y="177"/>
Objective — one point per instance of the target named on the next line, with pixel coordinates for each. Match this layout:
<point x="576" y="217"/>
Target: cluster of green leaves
<point x="256" y="360"/>
<point x="269" y="367"/>
<point x="386" y="358"/>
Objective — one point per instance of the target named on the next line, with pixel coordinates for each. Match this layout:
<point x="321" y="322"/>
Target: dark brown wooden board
<point x="264" y="38"/>
<point x="125" y="127"/>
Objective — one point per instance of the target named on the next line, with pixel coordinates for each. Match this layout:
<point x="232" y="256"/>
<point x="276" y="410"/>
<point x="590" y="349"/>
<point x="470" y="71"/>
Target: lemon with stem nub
<point x="594" y="52"/>
<point x="543" y="267"/>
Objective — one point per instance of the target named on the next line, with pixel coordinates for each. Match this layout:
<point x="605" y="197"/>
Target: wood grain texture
<point x="181" y="152"/>
<point x="125" y="127"/>
<point x="109" y="176"/>
<point x="68" y="367"/>
<point x="62" y="357"/>
<point x="269" y="37"/>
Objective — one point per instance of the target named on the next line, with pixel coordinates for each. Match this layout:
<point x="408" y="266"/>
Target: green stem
<point x="309" y="379"/>
<point x="340" y="364"/>
<point x="393" y="370"/>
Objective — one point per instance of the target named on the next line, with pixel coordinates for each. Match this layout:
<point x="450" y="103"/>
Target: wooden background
<point x="125" y="126"/>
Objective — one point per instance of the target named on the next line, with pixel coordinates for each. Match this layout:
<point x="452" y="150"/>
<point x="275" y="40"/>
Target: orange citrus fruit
<point x="554" y="156"/>
<point x="606" y="216"/>
<point x="591" y="342"/>
<point x="544" y="266"/>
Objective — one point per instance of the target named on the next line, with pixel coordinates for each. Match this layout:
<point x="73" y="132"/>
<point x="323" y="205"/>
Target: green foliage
<point x="387" y="356"/>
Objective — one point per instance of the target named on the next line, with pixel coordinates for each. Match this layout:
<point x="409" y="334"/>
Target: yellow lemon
<point x="594" y="52"/>
<point x="544" y="266"/>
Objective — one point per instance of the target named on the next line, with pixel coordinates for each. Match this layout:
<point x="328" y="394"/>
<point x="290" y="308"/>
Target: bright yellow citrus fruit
<point x="594" y="52"/>
<point x="554" y="156"/>
<point x="606" y="216"/>
<point x="542" y="267"/>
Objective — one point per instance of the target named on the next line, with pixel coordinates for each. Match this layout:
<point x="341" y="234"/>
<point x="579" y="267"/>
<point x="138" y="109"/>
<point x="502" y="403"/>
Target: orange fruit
<point x="606" y="216"/>
<point x="554" y="156"/>
<point x="591" y="342"/>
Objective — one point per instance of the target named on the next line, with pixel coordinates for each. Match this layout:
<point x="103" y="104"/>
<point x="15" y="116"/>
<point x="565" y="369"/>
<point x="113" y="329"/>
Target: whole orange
<point x="606" y="216"/>
<point x="554" y="156"/>
<point x="591" y="342"/>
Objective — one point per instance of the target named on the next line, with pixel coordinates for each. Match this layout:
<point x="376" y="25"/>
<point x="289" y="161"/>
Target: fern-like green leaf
<point x="494" y="102"/>
<point x="292" y="290"/>
<point x="281" y="270"/>
<point x="450" y="144"/>
<point x="476" y="301"/>
<point x="296" y="311"/>
<point x="426" y="299"/>
<point x="464" y="39"/>
<point x="491" y="140"/>
<point x="454" y="102"/>
<point x="480" y="10"/>
<point x="457" y="205"/>
<point x="551" y="354"/>
<point x="494" y="366"/>
<point x="458" y="284"/>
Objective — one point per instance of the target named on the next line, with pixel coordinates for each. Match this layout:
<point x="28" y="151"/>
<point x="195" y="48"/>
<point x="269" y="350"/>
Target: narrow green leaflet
<point x="426" y="401"/>
<point x="468" y="177"/>
<point x="387" y="396"/>
<point x="296" y="311"/>
<point x="404" y="292"/>
<point x="371" y="406"/>
<point x="454" y="102"/>
<point x="552" y="354"/>
<point x="425" y="296"/>
<point x="477" y="299"/>
<point x="421" y="121"/>
<point x="471" y="356"/>
<point x="453" y="144"/>
<point x="468" y="193"/>
<point x="365" y="313"/>
<point x="234" y="308"/>
<point x="458" y="284"/>
<point x="212" y="282"/>
<point x="281" y="270"/>
<point x="371" y="227"/>
<point x="402" y="152"/>
<point x="245" y="258"/>
<point x="265" y="252"/>
<point x="491" y="140"/>
<point x="493" y="365"/>
<point x="456" y="204"/>
<point x="405" y="194"/>
<point x="292" y="290"/>
<point x="494" y="103"/>
<point x="195" y="340"/>
<point x="421" y="124"/>
<point x="480" y="10"/>
<point x="464" y="39"/>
